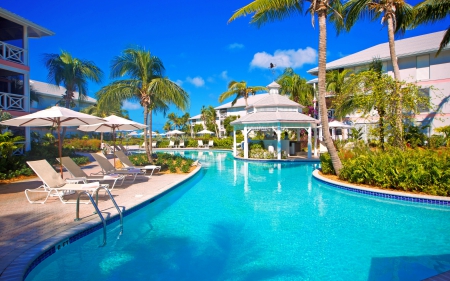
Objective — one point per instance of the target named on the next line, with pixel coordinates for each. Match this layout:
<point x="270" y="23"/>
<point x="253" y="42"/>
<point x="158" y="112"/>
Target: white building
<point x="418" y="64"/>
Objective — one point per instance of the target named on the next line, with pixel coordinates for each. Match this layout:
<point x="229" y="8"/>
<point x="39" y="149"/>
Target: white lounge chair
<point x="181" y="144"/>
<point x="78" y="173"/>
<point x="210" y="143"/>
<point x="54" y="185"/>
<point x="129" y="165"/>
<point x="108" y="168"/>
<point x="200" y="143"/>
<point x="154" y="144"/>
<point x="171" y="144"/>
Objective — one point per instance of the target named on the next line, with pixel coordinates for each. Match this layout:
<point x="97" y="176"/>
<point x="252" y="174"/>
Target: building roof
<point x="55" y="91"/>
<point x="34" y="30"/>
<point x="423" y="44"/>
<point x="273" y="117"/>
<point x="241" y="101"/>
<point x="275" y="100"/>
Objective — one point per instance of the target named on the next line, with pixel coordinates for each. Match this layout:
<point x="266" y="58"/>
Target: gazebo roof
<point x="275" y="100"/>
<point x="274" y="117"/>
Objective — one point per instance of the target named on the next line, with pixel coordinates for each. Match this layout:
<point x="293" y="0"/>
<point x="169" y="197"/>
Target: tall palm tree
<point x="296" y="87"/>
<point x="209" y="116"/>
<point x="240" y="90"/>
<point x="72" y="73"/>
<point x="397" y="15"/>
<point x="145" y="83"/>
<point x="270" y="10"/>
<point x="336" y="80"/>
<point x="430" y="11"/>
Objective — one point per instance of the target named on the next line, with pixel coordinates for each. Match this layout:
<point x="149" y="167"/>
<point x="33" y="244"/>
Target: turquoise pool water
<point x="262" y="221"/>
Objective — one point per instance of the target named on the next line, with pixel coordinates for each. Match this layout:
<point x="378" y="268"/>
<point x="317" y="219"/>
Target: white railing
<point x="19" y="151"/>
<point x="12" y="53"/>
<point x="12" y="102"/>
<point x="223" y="116"/>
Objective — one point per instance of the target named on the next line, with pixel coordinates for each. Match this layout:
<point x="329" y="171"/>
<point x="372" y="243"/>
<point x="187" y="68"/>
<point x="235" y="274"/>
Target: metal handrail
<point x="96" y="209"/>
<point x="115" y="205"/>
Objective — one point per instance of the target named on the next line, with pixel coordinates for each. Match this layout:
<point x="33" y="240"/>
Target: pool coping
<point x="300" y="160"/>
<point x="23" y="264"/>
<point x="396" y="195"/>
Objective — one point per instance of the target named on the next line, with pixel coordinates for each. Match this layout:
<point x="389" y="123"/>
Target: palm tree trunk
<point x="381" y="114"/>
<point x="150" y="118"/>
<point x="398" y="137"/>
<point x="145" y="133"/>
<point x="322" y="16"/>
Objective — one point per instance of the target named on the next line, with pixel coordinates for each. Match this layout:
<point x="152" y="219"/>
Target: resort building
<point x="14" y="65"/>
<point x="418" y="64"/>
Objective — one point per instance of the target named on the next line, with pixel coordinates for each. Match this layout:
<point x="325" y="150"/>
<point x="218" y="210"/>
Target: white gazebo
<point x="276" y="113"/>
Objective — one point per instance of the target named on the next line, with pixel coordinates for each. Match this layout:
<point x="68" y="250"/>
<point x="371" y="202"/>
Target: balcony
<point x="12" y="53"/>
<point x="12" y="102"/>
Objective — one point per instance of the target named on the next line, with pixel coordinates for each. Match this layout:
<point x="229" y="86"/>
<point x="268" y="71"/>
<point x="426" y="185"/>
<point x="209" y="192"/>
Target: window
<point x="423" y="67"/>
<point x="425" y="92"/>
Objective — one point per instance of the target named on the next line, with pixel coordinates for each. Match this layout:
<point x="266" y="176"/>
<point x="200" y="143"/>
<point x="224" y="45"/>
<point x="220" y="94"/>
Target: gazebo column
<point x="298" y="134"/>
<point x="278" y="142"/>
<point x="316" y="137"/>
<point x="234" y="143"/>
<point x="309" y="142"/>
<point x="245" y="142"/>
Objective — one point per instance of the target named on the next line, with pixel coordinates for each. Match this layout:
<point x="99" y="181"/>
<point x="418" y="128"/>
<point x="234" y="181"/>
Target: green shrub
<point x="327" y="165"/>
<point x="185" y="168"/>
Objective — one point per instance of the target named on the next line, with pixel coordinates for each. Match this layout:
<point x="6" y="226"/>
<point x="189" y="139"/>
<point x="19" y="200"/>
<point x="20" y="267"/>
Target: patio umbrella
<point x="55" y="116"/>
<point x="205" y="132"/>
<point x="175" y="132"/>
<point x="113" y="123"/>
<point x="132" y="134"/>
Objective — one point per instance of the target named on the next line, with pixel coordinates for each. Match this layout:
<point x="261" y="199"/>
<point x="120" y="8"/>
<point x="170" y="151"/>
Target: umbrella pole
<point x="60" y="148"/>
<point x="114" y="146"/>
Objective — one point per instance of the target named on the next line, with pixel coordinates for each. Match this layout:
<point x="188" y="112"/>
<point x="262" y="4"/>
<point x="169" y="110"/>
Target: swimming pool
<point x="237" y="220"/>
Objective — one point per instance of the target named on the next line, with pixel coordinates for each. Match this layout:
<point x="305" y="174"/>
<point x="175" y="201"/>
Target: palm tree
<point x="209" y="116"/>
<point x="240" y="90"/>
<point x="269" y="11"/>
<point x="296" y="87"/>
<point x="74" y="74"/>
<point x="397" y="15"/>
<point x="430" y="11"/>
<point x="336" y="80"/>
<point x="145" y="84"/>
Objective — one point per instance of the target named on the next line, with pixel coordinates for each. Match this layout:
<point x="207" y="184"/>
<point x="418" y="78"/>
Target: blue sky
<point x="200" y="51"/>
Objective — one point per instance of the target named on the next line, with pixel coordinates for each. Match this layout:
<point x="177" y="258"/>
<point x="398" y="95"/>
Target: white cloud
<point x="224" y="75"/>
<point x="210" y="79"/>
<point x="285" y="58"/>
<point x="235" y="46"/>
<point x="196" y="81"/>
<point x="179" y="82"/>
<point x="131" y="105"/>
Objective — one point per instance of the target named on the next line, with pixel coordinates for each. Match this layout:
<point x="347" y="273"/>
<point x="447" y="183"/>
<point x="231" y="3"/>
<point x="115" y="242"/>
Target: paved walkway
<point x="26" y="229"/>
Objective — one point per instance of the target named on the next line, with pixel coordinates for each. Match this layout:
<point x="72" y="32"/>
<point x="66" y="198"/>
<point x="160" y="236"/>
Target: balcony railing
<point x="12" y="102"/>
<point x="19" y="151"/>
<point x="12" y="53"/>
<point x="223" y="116"/>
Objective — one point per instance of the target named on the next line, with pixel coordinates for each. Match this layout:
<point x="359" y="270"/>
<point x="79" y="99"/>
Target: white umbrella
<point x="134" y="133"/>
<point x="56" y="117"/>
<point x="337" y="124"/>
<point x="113" y="123"/>
<point x="205" y="132"/>
<point x="175" y="132"/>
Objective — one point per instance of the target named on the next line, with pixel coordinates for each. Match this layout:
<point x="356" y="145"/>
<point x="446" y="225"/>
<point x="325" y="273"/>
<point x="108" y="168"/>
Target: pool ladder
<point x="95" y="204"/>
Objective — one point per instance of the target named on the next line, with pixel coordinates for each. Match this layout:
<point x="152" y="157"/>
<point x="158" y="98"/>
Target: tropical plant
<point x="446" y="131"/>
<point x="180" y="122"/>
<point x="397" y="15"/>
<point x="268" y="11"/>
<point x="145" y="83"/>
<point x="209" y="116"/>
<point x="295" y="87"/>
<point x="4" y="116"/>
<point x="240" y="90"/>
<point x="226" y="124"/>
<point x="74" y="74"/>
<point x="336" y="80"/>
<point x="430" y="11"/>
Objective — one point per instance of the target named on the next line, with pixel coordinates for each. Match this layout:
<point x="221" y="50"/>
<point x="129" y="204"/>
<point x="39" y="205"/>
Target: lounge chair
<point x="108" y="168"/>
<point x="54" y="185"/>
<point x="122" y="148"/>
<point x="200" y="143"/>
<point x="78" y="173"/>
<point x="181" y="144"/>
<point x="211" y="143"/>
<point x="171" y="144"/>
<point x="154" y="144"/>
<point x="107" y="148"/>
<point x="128" y="165"/>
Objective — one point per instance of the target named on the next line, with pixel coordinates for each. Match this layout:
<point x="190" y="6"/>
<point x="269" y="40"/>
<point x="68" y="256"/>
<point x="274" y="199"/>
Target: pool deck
<point x="27" y="229"/>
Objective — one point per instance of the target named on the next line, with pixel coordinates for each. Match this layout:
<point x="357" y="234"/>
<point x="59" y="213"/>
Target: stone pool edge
<point x="401" y="196"/>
